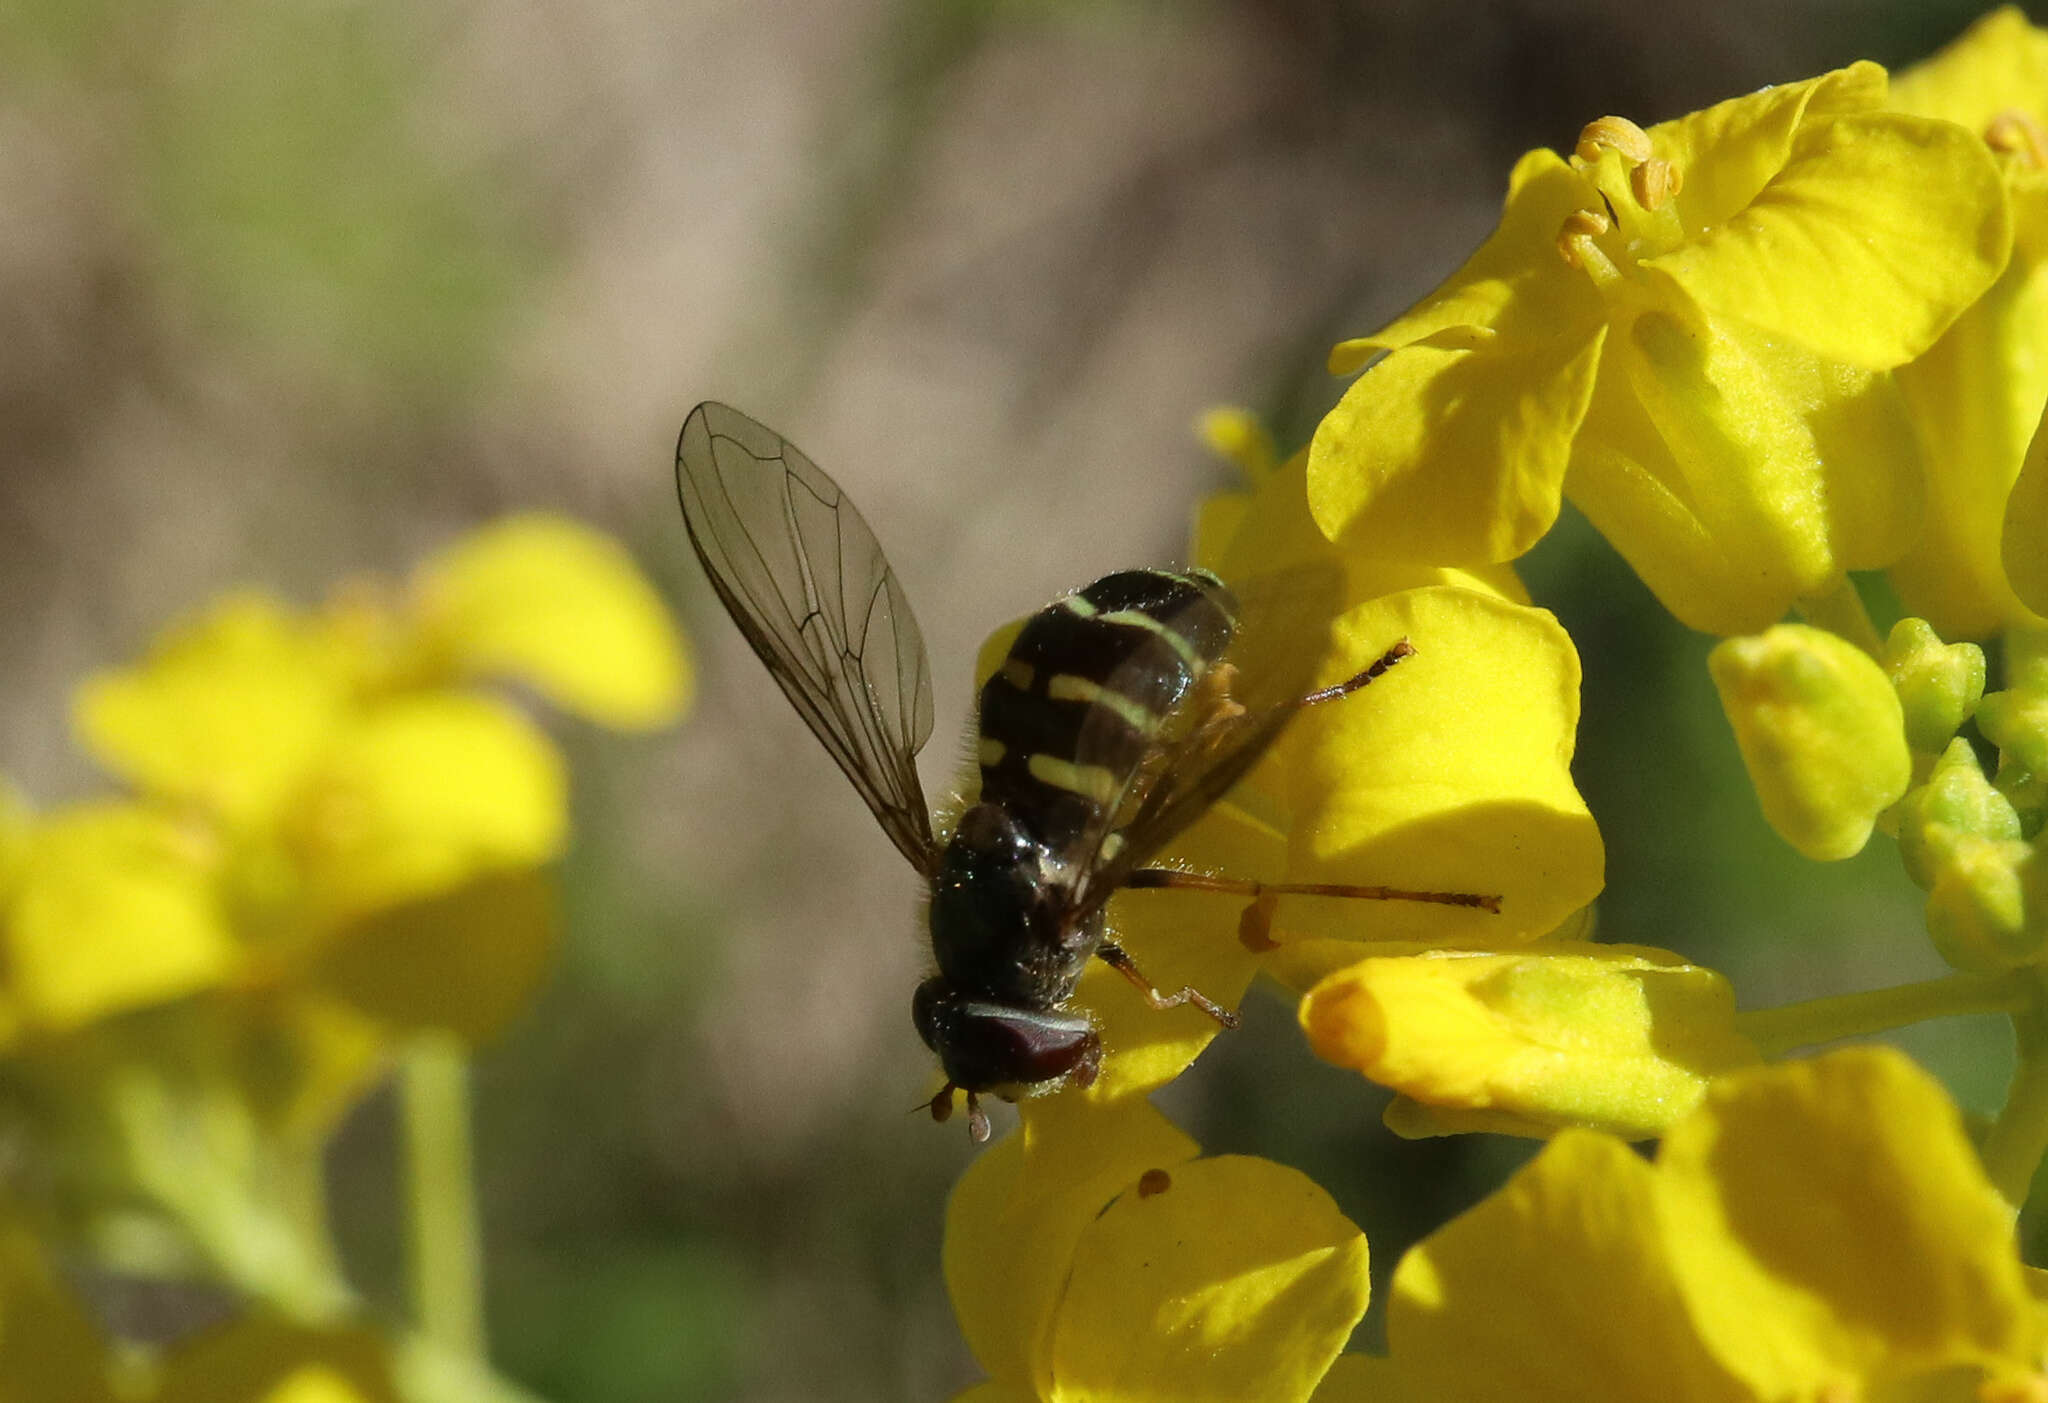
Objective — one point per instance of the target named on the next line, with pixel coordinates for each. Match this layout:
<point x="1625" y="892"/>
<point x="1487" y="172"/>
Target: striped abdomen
<point x="1074" y="709"/>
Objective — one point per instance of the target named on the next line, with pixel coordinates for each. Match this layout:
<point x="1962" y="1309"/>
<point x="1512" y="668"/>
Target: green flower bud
<point x="1957" y="801"/>
<point x="1821" y="731"/>
<point x="1939" y="684"/>
<point x="2016" y="721"/>
<point x="2027" y="791"/>
<point x="2026" y="660"/>
<point x="1988" y="910"/>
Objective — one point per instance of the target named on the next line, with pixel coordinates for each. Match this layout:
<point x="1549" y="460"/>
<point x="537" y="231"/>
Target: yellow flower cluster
<point x="338" y="832"/>
<point x="1797" y="335"/>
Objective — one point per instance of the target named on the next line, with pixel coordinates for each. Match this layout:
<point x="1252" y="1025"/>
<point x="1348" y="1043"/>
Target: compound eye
<point x="986" y="1046"/>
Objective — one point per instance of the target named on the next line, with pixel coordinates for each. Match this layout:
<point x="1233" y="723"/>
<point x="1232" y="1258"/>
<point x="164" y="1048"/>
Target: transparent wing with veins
<point x="804" y="578"/>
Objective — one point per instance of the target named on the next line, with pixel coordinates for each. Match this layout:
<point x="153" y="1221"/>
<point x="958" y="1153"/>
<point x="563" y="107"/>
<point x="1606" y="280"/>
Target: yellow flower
<point x="326" y="797"/>
<point x="1817" y="1230"/>
<point x="1684" y="330"/>
<point x="1094" y="1256"/>
<point x="1976" y="397"/>
<point x="1450" y="773"/>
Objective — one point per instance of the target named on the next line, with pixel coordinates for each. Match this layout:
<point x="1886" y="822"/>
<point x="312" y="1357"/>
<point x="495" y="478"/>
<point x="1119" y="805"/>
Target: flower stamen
<point x="1577" y="245"/>
<point x="1654" y="182"/>
<point x="1613" y="134"/>
<point x="2014" y="132"/>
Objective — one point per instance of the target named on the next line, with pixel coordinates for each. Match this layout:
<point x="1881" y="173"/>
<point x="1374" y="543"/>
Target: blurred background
<point x="294" y="290"/>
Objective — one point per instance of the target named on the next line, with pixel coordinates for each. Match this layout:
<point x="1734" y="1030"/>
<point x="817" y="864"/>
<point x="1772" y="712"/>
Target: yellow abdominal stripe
<point x="1068" y="686"/>
<point x="1138" y="618"/>
<point x="990" y="752"/>
<point x="1094" y="782"/>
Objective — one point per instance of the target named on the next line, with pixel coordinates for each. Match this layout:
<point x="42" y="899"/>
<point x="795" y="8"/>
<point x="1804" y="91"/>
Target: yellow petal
<point x="1736" y="476"/>
<point x="1830" y="1217"/>
<point x="552" y="603"/>
<point x="1225" y="1278"/>
<point x="1999" y="63"/>
<point x="1180" y="939"/>
<point x="1612" y="1037"/>
<point x="1241" y="437"/>
<point x="227" y="711"/>
<point x="466" y="961"/>
<point x="1449" y="773"/>
<point x="1513" y="285"/>
<point x="1248" y="536"/>
<point x="1015" y="1216"/>
<point x="1453" y="456"/>
<point x="1729" y="152"/>
<point x="1552" y="1291"/>
<point x="425" y="793"/>
<point x="1360" y="1378"/>
<point x="261" y="1359"/>
<point x="1821" y="732"/>
<point x="2024" y="539"/>
<point x="116" y="908"/>
<point x="1976" y="399"/>
<point x="302" y="1059"/>
<point x="1878" y="231"/>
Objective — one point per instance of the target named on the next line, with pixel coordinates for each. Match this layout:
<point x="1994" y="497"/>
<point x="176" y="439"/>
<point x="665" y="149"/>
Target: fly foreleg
<point x="1114" y="956"/>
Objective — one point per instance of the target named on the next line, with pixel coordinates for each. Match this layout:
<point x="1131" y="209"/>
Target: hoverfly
<point x="1122" y="712"/>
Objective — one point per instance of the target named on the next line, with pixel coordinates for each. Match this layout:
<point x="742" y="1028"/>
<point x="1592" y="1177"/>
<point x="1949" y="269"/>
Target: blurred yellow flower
<point x="1977" y="395"/>
<point x="1094" y="1255"/>
<point x="315" y="781"/>
<point x="50" y="1351"/>
<point x="1818" y="1230"/>
<point x="545" y="601"/>
<point x="261" y="1359"/>
<point x="1683" y="329"/>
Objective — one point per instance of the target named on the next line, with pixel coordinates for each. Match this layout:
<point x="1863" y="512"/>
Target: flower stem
<point x="1776" y="1031"/>
<point x="446" y="1260"/>
<point x="1840" y="611"/>
<point x="2019" y="1137"/>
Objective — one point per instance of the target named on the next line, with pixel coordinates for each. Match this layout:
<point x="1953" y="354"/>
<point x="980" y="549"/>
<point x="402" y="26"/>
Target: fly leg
<point x="1113" y="955"/>
<point x="1238" y="886"/>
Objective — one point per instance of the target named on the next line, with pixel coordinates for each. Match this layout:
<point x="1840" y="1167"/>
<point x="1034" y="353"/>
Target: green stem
<point x="1776" y="1031"/>
<point x="2019" y="1137"/>
<point x="1840" y="611"/>
<point x="446" y="1265"/>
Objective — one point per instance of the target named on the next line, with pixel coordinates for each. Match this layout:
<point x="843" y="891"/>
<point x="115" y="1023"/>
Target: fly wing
<point x="1221" y="727"/>
<point x="807" y="583"/>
